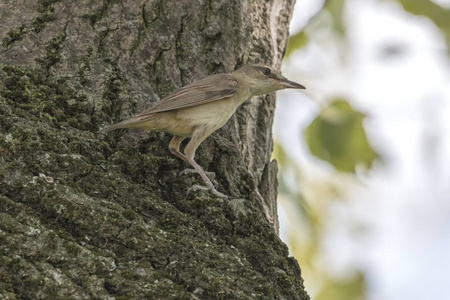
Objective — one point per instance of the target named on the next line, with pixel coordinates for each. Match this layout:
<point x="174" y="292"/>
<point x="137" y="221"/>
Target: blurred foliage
<point x="344" y="290"/>
<point x="333" y="9"/>
<point x="307" y="205"/>
<point x="336" y="9"/>
<point x="337" y="135"/>
<point x="439" y="15"/>
<point x="427" y="8"/>
<point x="295" y="42"/>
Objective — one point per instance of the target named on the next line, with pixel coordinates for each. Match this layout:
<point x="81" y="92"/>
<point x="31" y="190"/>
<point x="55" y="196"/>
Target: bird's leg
<point x="174" y="147"/>
<point x="197" y="138"/>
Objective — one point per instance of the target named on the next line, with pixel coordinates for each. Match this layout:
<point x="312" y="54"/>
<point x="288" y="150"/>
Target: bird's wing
<point x="208" y="89"/>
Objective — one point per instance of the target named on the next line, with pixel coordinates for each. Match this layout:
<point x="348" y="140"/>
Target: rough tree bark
<point x="83" y="216"/>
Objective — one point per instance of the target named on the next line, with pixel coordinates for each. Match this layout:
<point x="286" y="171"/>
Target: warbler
<point x="200" y="108"/>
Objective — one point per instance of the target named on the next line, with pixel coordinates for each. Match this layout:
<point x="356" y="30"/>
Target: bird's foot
<point x="211" y="188"/>
<point x="219" y="194"/>
<point x="211" y="175"/>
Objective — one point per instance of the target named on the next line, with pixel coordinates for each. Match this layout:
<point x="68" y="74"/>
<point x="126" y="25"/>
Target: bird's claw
<point x="213" y="190"/>
<point x="219" y="194"/>
<point x="211" y="175"/>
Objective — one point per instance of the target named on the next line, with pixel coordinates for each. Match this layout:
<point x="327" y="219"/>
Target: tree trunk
<point x="84" y="216"/>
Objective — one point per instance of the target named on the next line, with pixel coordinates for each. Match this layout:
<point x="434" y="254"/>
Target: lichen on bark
<point x="85" y="216"/>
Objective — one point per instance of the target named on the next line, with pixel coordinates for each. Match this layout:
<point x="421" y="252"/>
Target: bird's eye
<point x="266" y="71"/>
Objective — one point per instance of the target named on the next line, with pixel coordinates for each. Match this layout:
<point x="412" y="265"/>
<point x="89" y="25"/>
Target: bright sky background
<point x="404" y="202"/>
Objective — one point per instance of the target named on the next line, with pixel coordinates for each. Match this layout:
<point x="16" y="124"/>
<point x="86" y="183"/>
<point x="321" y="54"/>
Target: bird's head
<point x="263" y="79"/>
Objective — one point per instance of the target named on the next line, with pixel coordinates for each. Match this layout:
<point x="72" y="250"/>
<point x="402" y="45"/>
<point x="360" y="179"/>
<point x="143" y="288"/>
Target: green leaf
<point x="336" y="9"/>
<point x="296" y="42"/>
<point x="337" y="135"/>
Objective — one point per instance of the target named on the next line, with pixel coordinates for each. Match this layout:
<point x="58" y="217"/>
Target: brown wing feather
<point x="208" y="89"/>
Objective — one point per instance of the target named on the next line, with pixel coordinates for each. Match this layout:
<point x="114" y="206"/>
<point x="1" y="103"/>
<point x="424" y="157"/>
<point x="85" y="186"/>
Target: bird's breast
<point x="213" y="114"/>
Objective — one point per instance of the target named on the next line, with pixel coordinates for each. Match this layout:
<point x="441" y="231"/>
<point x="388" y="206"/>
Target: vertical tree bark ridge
<point x="88" y="217"/>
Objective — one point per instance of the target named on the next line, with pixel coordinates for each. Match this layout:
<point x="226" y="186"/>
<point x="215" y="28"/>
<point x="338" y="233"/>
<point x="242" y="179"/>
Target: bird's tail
<point x="130" y="123"/>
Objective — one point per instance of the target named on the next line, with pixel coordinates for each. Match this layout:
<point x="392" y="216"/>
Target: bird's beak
<point x="287" y="84"/>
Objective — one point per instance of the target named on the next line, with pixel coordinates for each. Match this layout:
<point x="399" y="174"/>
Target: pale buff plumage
<point x="202" y="107"/>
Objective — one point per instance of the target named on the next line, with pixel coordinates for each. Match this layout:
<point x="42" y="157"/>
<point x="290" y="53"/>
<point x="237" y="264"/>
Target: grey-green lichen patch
<point x="46" y="10"/>
<point x="45" y="13"/>
<point x="52" y="52"/>
<point x="35" y="97"/>
<point x="84" y="68"/>
<point x="98" y="13"/>
<point x="150" y="13"/>
<point x="13" y="36"/>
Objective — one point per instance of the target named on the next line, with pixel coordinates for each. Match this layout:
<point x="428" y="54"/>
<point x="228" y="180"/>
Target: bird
<point x="198" y="109"/>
